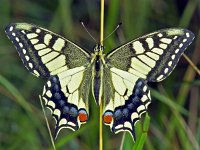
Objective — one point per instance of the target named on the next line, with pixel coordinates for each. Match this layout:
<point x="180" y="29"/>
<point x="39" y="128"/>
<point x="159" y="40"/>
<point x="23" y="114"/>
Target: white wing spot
<point x="22" y="31"/>
<point x="17" y="39"/>
<point x="49" y="84"/>
<point x="160" y="77"/>
<point x="166" y="40"/>
<point x="153" y="55"/>
<point x="163" y="46"/>
<point x="175" y="37"/>
<point x="48" y="93"/>
<point x="160" y="34"/>
<point x="119" y="126"/>
<point x="134" y="116"/>
<point x="128" y="125"/>
<point x="36" y="72"/>
<point x="149" y="95"/>
<point x="187" y="35"/>
<point x="184" y="40"/>
<point x="176" y="51"/>
<point x="147" y="104"/>
<point x="157" y="50"/>
<point x="174" y="32"/>
<point x="138" y="47"/>
<point x="47" y="38"/>
<point x="144" y="98"/>
<point x="145" y="88"/>
<point x="45" y="100"/>
<point x="140" y="108"/>
<point x="34" y="41"/>
<point x="31" y="35"/>
<point x="71" y="123"/>
<point x="24" y="51"/>
<point x="11" y="28"/>
<point x="59" y="44"/>
<point x="39" y="46"/>
<point x="67" y="94"/>
<point x="173" y="57"/>
<point x="62" y="121"/>
<point x="57" y="112"/>
<point x="30" y="65"/>
<point x="166" y="70"/>
<point x="169" y="63"/>
<point x="181" y="45"/>
<point x="27" y="58"/>
<point x="21" y="45"/>
<point x="150" y="42"/>
<point x="125" y="97"/>
<point x="13" y="34"/>
<point x="52" y="104"/>
<point x="44" y="51"/>
<point x="38" y="30"/>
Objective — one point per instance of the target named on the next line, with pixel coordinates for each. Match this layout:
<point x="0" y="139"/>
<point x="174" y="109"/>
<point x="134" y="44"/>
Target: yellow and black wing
<point x="43" y="52"/>
<point x="46" y="54"/>
<point x="150" y="58"/>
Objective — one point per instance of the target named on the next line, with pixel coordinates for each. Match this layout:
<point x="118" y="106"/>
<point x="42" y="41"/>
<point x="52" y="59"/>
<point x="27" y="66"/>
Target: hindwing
<point x="126" y="99"/>
<point x="66" y="95"/>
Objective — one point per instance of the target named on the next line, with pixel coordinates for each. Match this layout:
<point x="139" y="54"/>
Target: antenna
<point x="88" y="31"/>
<point x="117" y="27"/>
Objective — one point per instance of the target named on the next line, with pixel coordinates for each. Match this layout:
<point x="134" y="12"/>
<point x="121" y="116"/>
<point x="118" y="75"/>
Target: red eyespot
<point x="108" y="117"/>
<point x="82" y="116"/>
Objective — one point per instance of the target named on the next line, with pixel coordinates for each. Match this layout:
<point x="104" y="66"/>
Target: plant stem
<point x="48" y="127"/>
<point x="101" y="104"/>
<point x="192" y="64"/>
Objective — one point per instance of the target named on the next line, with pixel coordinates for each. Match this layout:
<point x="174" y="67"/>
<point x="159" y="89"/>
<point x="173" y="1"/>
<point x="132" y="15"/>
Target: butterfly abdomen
<point x="97" y="79"/>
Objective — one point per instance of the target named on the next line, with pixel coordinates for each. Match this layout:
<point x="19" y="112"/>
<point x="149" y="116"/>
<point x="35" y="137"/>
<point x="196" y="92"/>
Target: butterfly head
<point x="98" y="48"/>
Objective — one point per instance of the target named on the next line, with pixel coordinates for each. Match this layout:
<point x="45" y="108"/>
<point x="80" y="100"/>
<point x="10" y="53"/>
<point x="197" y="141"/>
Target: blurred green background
<point x="175" y="109"/>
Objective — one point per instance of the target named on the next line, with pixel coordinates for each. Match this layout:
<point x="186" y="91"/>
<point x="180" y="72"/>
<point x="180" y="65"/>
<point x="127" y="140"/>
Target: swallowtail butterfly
<point x="118" y="79"/>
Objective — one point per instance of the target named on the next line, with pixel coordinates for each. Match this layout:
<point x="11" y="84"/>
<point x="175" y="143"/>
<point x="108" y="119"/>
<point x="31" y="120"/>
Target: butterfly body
<point x="97" y="75"/>
<point x="118" y="79"/>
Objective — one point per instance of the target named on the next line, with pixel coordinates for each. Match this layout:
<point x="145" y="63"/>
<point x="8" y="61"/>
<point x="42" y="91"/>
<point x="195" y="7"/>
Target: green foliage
<point x="174" y="112"/>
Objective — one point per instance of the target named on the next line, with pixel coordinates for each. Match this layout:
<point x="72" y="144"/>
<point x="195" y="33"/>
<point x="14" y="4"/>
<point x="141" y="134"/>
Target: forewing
<point x="126" y="98"/>
<point x="43" y="52"/>
<point x="66" y="95"/>
<point x="152" y="57"/>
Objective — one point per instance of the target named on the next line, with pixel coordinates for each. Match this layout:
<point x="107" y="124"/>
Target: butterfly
<point x="118" y="79"/>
